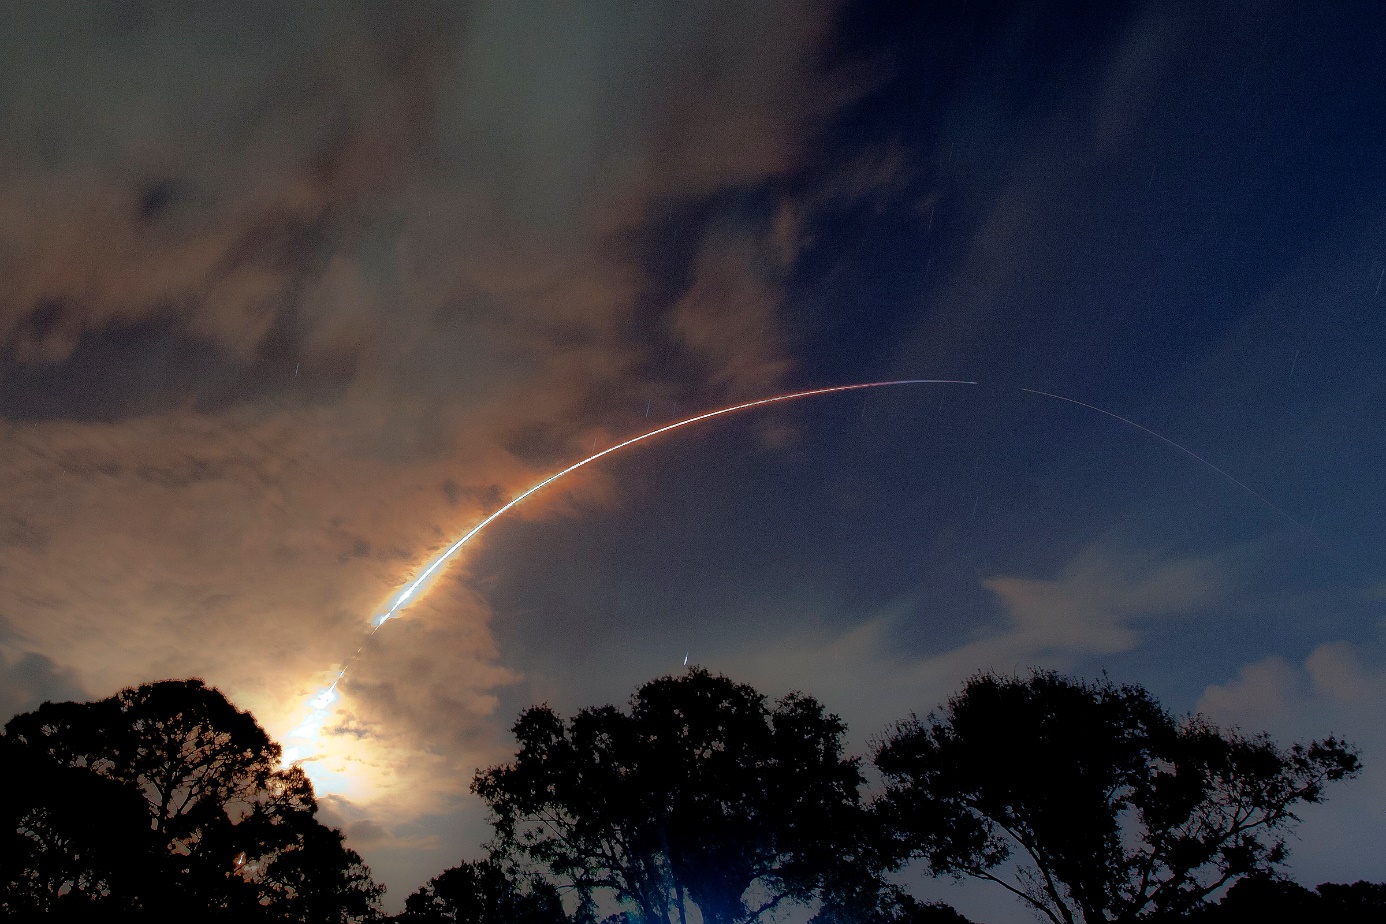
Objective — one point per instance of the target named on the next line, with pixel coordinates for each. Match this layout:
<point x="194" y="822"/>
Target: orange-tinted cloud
<point x="291" y="303"/>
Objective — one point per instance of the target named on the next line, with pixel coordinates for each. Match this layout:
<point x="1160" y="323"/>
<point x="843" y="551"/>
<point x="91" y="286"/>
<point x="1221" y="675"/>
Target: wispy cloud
<point x="292" y="297"/>
<point x="1099" y="604"/>
<point x="1339" y="688"/>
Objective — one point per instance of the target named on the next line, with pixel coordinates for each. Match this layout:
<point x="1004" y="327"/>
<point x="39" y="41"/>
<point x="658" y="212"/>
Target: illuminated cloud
<point x="295" y="293"/>
<point x="1336" y="677"/>
<point x="1100" y="604"/>
<point x="293" y="296"/>
<point x="1338" y="689"/>
<point x="1100" y="598"/>
<point x="1260" y="691"/>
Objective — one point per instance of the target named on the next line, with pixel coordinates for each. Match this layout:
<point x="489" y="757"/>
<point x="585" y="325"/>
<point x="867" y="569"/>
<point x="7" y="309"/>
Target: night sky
<point x="292" y="294"/>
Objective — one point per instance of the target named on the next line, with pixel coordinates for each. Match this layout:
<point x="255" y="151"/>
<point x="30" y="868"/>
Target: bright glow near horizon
<point x="304" y="744"/>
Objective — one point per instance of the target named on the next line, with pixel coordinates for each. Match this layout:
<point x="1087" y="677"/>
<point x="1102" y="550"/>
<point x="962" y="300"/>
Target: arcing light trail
<point x="310" y="727"/>
<point x="1185" y="450"/>
<point x="415" y="585"/>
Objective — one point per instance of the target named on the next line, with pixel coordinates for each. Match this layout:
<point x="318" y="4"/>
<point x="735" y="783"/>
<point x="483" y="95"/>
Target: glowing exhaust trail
<point x="408" y="593"/>
<point x="1164" y="439"/>
<point x="320" y="703"/>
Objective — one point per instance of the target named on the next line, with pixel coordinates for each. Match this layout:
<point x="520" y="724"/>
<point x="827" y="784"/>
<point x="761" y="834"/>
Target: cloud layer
<point x="293" y="296"/>
<point x="295" y="293"/>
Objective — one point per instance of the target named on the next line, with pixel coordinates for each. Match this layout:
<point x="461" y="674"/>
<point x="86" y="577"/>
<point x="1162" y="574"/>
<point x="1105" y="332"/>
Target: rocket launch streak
<point x="321" y="703"/>
<point x="413" y="587"/>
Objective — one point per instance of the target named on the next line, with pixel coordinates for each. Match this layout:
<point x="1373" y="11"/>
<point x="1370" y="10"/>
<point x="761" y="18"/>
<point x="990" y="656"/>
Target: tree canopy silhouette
<point x="701" y="793"/>
<point x="483" y="892"/>
<point x="1108" y="807"/>
<point x="165" y="800"/>
<point x="1264" y="898"/>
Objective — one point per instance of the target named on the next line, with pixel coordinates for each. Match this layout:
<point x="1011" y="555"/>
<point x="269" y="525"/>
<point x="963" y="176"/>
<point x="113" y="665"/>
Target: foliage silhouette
<point x="162" y="801"/>
<point x="1264" y="898"/>
<point x="1110" y="808"/>
<point x="483" y="893"/>
<point x="879" y="902"/>
<point x="701" y="794"/>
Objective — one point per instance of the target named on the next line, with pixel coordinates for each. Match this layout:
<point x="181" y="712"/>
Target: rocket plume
<point x="412" y="588"/>
<point x="321" y="702"/>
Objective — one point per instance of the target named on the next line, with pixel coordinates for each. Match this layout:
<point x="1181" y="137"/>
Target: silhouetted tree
<point x="1262" y="897"/>
<point x="700" y="794"/>
<point x="58" y="858"/>
<point x="1351" y="903"/>
<point x="162" y="801"/>
<point x="1110" y="808"/>
<point x="316" y="877"/>
<point x="483" y="893"/>
<point x="884" y="904"/>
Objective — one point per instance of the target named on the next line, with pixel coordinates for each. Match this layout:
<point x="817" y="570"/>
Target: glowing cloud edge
<point x="321" y="701"/>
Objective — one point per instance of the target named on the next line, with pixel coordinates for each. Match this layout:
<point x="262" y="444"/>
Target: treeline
<point x="700" y="801"/>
